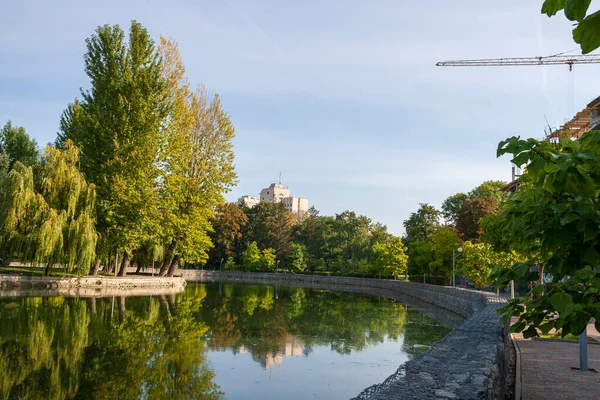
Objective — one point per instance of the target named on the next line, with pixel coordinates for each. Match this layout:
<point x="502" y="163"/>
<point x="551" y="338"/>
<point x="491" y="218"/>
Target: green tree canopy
<point x="16" y="144"/>
<point x="444" y="240"/>
<point x="47" y="216"/>
<point x="556" y="215"/>
<point x="471" y="212"/>
<point x="478" y="260"/>
<point x="390" y="258"/>
<point x="451" y="205"/>
<point x="421" y="224"/>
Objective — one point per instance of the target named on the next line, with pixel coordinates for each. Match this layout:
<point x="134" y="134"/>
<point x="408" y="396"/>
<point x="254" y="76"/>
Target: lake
<point x="213" y="341"/>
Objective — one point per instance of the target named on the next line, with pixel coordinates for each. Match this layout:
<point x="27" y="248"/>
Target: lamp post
<point x="277" y="266"/>
<point x="221" y="266"/>
<point x="454" y="256"/>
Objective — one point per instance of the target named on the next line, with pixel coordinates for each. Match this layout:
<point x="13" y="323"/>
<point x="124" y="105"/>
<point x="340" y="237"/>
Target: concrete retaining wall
<point x="469" y="363"/>
<point x="88" y="285"/>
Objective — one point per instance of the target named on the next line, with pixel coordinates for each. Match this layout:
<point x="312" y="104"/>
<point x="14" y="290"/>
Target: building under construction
<point x="585" y="120"/>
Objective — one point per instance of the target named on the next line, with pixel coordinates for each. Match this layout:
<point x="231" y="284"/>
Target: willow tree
<point x="118" y="126"/>
<point x="198" y="165"/>
<point x="48" y="217"/>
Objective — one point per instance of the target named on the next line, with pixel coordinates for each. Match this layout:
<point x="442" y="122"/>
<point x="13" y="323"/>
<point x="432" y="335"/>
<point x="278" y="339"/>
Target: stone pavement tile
<point x="546" y="370"/>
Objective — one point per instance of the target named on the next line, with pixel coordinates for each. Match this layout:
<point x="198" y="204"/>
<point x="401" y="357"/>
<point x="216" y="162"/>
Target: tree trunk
<point x="47" y="271"/>
<point x="139" y="268"/>
<point x="171" y="300"/>
<point x="124" y="264"/>
<point x="95" y="267"/>
<point x="122" y="309"/>
<point x="165" y="265"/>
<point x="93" y="305"/>
<point x="174" y="265"/>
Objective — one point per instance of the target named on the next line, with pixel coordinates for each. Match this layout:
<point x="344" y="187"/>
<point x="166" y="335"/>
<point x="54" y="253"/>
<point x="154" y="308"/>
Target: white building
<point x="274" y="193"/>
<point x="248" y="201"/>
<point x="277" y="193"/>
<point x="298" y="205"/>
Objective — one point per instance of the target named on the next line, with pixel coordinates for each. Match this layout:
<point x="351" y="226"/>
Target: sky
<point x="342" y="98"/>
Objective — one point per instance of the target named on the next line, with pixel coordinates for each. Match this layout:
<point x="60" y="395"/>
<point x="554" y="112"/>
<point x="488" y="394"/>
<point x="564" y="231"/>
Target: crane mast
<point x="501" y="62"/>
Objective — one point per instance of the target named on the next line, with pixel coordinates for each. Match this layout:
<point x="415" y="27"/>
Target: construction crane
<point x="549" y="60"/>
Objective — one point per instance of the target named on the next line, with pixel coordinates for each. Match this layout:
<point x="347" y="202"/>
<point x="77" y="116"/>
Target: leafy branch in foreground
<point x="555" y="215"/>
<point x="587" y="30"/>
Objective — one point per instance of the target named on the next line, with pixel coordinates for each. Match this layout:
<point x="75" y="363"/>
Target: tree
<point x="477" y="261"/>
<point x="297" y="258"/>
<point x="118" y="126"/>
<point x="228" y="223"/>
<point x="467" y="221"/>
<point x="268" y="260"/>
<point x="390" y="258"/>
<point x="251" y="258"/>
<point x="420" y="257"/>
<point x="203" y="174"/>
<point x="419" y="225"/>
<point x="555" y="215"/>
<point x="444" y="240"/>
<point x="587" y="31"/>
<point x="489" y="189"/>
<point x="451" y="205"/>
<point x="18" y="146"/>
<point x="280" y="231"/>
<point x="270" y="226"/>
<point x="49" y="217"/>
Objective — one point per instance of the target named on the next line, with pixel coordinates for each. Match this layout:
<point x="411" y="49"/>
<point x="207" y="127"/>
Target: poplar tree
<point x="198" y="165"/>
<point x="118" y="126"/>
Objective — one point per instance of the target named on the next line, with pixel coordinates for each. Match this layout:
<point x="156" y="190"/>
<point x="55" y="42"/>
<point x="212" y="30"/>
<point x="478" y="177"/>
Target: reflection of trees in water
<point x="55" y="348"/>
<point x="264" y="320"/>
<point x="130" y="348"/>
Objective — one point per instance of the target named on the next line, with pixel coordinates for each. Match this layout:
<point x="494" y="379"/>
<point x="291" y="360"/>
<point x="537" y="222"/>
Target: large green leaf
<point x="551" y="7"/>
<point x="560" y="301"/>
<point x="587" y="33"/>
<point x="575" y="10"/>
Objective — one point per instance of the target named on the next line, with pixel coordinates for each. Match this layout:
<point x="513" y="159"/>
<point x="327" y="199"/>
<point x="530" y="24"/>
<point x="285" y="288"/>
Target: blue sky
<point x="342" y="97"/>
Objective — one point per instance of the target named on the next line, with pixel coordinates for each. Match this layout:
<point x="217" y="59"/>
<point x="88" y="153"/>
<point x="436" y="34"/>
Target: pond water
<point x="213" y="341"/>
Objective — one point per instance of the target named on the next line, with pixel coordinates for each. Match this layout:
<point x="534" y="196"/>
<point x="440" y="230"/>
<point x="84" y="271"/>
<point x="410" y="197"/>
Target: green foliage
<point x="491" y="189"/>
<point x="556" y="216"/>
<point x="228" y="222"/>
<point x="390" y="258"/>
<point x="420" y="257"/>
<point x="230" y="264"/>
<point x="251" y="258"/>
<point x="587" y="31"/>
<point x="16" y="144"/>
<point x="443" y="241"/>
<point x="270" y="225"/>
<point x="451" y="205"/>
<point x="159" y="153"/>
<point x="471" y="212"/>
<point x="297" y="258"/>
<point x="267" y="260"/>
<point x="51" y="222"/>
<point x="478" y="260"/>
<point x="421" y="224"/>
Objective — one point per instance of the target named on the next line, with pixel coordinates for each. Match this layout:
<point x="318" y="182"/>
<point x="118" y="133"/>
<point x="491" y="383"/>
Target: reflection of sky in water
<point x="298" y="343"/>
<point x="322" y="374"/>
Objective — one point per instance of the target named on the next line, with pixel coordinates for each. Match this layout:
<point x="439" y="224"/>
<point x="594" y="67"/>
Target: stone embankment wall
<point x="469" y="363"/>
<point x="86" y="286"/>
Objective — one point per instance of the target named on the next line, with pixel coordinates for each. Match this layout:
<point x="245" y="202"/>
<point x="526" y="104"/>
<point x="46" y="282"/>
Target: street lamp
<point x="221" y="266"/>
<point x="454" y="256"/>
<point x="277" y="266"/>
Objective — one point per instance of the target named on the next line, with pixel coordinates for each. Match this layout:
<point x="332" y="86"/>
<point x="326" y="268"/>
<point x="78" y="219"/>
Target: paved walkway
<point x="546" y="372"/>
